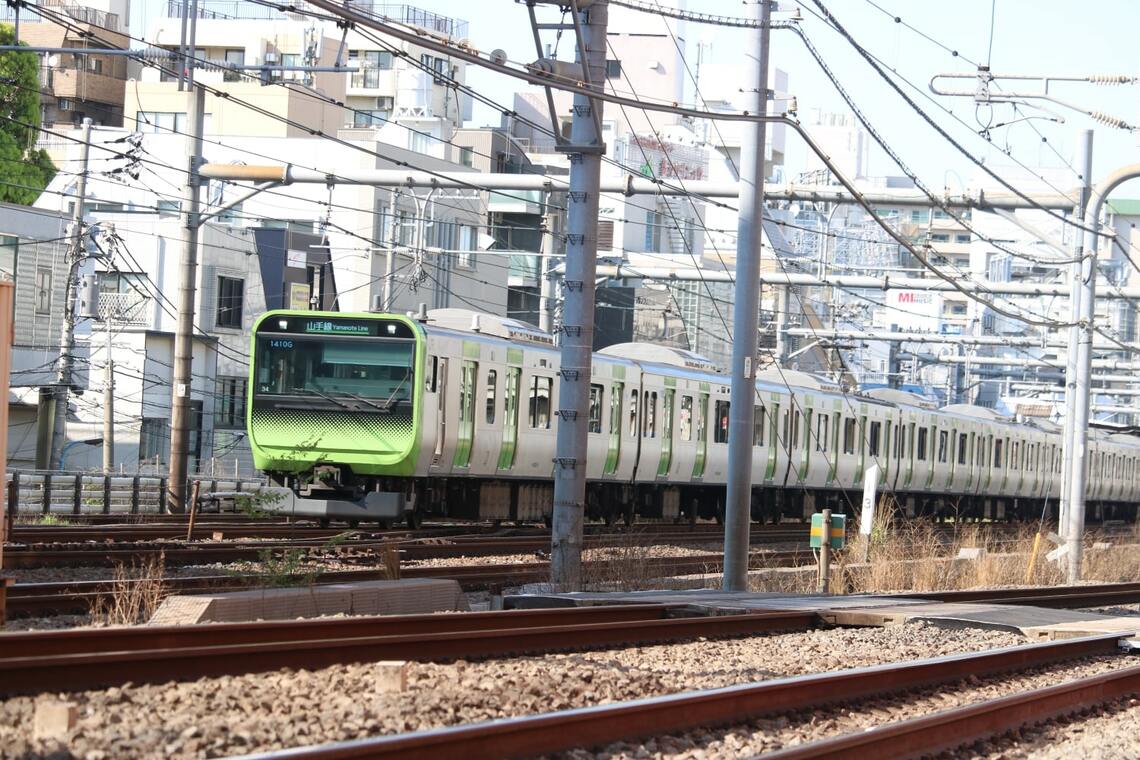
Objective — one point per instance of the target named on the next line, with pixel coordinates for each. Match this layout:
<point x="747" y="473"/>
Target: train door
<point x="702" y="437"/>
<point x="441" y="412"/>
<point x="510" y="418"/>
<point x="666" y="434"/>
<point x="613" y="450"/>
<point x="465" y="431"/>
<point x="773" y="440"/>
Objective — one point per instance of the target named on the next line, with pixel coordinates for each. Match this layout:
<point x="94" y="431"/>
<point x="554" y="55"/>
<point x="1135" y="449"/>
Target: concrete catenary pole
<point x="108" y="405"/>
<point x="184" y="335"/>
<point x="1084" y="164"/>
<point x="585" y="151"/>
<point x="1081" y="388"/>
<point x="738" y="504"/>
<point x="63" y="378"/>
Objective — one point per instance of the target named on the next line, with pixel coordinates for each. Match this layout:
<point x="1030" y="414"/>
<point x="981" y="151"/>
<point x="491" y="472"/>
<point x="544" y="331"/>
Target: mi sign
<point x="918" y="310"/>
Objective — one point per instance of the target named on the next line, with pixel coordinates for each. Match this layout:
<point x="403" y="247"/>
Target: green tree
<point x="26" y="170"/>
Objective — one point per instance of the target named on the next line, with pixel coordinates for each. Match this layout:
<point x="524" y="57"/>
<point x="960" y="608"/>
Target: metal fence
<point x="77" y="493"/>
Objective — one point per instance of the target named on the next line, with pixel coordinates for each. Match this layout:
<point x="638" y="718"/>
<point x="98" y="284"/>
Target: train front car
<point x="333" y="413"/>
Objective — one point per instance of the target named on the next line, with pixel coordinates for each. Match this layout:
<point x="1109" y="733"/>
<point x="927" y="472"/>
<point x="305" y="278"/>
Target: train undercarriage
<point x="335" y="494"/>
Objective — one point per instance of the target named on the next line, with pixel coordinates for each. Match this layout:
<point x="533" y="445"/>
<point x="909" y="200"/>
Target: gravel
<point x="222" y="716"/>
<point x="1109" y="733"/>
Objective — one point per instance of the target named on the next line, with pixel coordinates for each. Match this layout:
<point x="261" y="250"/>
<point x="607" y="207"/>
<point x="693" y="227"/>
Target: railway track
<point x="78" y="597"/>
<point x="83" y="659"/>
<point x="622" y="721"/>
<point x="348" y="546"/>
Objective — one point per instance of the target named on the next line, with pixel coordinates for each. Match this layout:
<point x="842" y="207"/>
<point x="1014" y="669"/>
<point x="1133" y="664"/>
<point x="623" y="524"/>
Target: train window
<point x="702" y="420"/>
<point x="1015" y="455"/>
<point x="539" y="407"/>
<point x="492" y="389"/>
<point x="758" y="425"/>
<point x="923" y="433"/>
<point x="821" y="429"/>
<point x="615" y="417"/>
<point x="596" y="393"/>
<point x="720" y="435"/>
<point x="896" y="450"/>
<point x="849" y="435"/>
<point x="429" y="375"/>
<point x="685" y="423"/>
<point x="962" y="448"/>
<point x="650" y="414"/>
<point x="997" y="452"/>
<point x="633" y="413"/>
<point x="943" y="446"/>
<point x="787" y="422"/>
<point x="874" y="437"/>
<point x="796" y="427"/>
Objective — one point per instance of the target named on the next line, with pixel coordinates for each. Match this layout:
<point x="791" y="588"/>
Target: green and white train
<point x="384" y="417"/>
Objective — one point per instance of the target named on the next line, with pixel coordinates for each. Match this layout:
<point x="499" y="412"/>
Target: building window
<point x="43" y="290"/>
<point x="939" y="237"/>
<point x="9" y="252"/>
<point x="160" y="121"/>
<point x="652" y="231"/>
<point x="230" y="296"/>
<point x="613" y="69"/>
<point x="234" y="57"/>
<point x="94" y="65"/>
<point x="229" y="404"/>
<point x="63" y="104"/>
<point x="467" y="156"/>
<point x="154" y="440"/>
<point x="961" y="238"/>
<point x="919" y="216"/>
<point x="168" y="207"/>
<point x="370" y="63"/>
<point x="466" y="257"/>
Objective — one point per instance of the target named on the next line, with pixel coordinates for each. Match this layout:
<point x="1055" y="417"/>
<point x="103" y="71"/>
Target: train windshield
<point x="377" y="369"/>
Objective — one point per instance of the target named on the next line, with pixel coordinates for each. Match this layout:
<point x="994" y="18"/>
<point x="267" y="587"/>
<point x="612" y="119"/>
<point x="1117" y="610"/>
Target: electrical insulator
<point x="1108" y="120"/>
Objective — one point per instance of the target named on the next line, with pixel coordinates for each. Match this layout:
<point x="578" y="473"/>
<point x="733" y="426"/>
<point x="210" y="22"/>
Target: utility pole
<point x="738" y="506"/>
<point x="1081" y="389"/>
<point x="585" y="151"/>
<point x="1084" y="164"/>
<point x="108" y="404"/>
<point x="184" y="336"/>
<point x="75" y="255"/>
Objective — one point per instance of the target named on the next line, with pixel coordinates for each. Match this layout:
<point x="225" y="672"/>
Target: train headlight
<point x="391" y="329"/>
<point x="282" y="324"/>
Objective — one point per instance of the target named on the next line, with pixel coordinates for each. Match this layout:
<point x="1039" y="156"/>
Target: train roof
<point x="900" y="398"/>
<point x="465" y="320"/>
<point x="658" y="354"/>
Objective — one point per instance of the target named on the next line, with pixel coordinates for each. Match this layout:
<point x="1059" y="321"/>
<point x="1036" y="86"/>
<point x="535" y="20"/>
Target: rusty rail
<point x="112" y="661"/>
<point x="950" y="729"/>
<point x="602" y="724"/>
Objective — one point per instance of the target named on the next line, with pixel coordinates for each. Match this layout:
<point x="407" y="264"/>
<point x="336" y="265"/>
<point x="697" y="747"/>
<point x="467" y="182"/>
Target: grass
<point x="49" y="519"/>
<point x="136" y="592"/>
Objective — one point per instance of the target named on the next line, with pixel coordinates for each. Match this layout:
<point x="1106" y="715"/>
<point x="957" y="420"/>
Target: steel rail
<point x="602" y="724"/>
<point x="950" y="729"/>
<point x="78" y="597"/>
<point x="142" y="638"/>
<point x="24" y="555"/>
<point x="69" y="672"/>
<point x="1068" y="597"/>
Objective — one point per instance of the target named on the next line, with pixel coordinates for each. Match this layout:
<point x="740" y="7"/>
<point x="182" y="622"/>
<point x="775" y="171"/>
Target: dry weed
<point x="629" y="564"/>
<point x="136" y="592"/>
